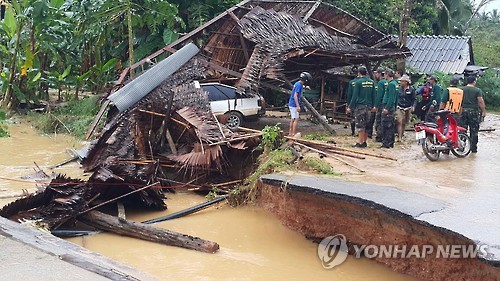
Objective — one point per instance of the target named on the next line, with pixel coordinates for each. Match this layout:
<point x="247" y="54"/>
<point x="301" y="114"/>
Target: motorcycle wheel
<point x="431" y="154"/>
<point x="464" y="144"/>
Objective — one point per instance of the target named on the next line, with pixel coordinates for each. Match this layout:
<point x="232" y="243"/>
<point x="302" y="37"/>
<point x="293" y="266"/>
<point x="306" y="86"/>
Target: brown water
<point x="25" y="147"/>
<point x="254" y="244"/>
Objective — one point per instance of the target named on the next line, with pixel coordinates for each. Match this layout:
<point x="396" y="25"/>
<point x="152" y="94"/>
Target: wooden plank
<point x="171" y="143"/>
<point x="147" y="232"/>
<point x="97" y="118"/>
<point x="121" y="211"/>
<point x="322" y="98"/>
<point x="69" y="252"/>
<point x="311" y="11"/>
<point x="206" y="25"/>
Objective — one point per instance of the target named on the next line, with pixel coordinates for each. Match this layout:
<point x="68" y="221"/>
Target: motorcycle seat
<point x="430" y="124"/>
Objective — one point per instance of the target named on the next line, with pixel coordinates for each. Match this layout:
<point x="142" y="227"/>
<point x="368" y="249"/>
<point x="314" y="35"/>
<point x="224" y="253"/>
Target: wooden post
<point x="318" y="116"/>
<point x="171" y="143"/>
<point x="146" y="232"/>
<point x="121" y="211"/>
<point x="322" y="99"/>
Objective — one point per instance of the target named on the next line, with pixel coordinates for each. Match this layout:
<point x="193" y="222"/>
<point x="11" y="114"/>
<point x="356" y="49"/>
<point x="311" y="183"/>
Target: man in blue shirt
<point x="294" y="101"/>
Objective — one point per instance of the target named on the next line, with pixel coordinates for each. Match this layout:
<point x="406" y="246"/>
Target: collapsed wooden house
<point x="260" y="46"/>
<point x="159" y="128"/>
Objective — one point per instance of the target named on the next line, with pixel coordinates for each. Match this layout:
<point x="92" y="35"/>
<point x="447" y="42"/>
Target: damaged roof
<point x="448" y="54"/>
<point x="253" y="27"/>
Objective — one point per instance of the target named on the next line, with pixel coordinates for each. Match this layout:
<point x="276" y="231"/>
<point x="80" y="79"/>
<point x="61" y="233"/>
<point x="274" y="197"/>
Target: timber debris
<point x="159" y="132"/>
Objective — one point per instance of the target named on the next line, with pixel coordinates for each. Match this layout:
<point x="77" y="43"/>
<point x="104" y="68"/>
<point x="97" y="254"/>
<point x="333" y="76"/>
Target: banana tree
<point x="13" y="26"/>
<point x="58" y="80"/>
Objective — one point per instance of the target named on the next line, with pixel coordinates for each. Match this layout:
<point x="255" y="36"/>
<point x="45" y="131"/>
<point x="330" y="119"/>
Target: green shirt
<point x="363" y="92"/>
<point x="380" y="89"/>
<point x="436" y="95"/>
<point x="470" y="97"/>
<point x="391" y="95"/>
<point x="350" y="88"/>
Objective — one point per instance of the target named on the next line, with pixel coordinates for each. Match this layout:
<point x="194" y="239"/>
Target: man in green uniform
<point x="377" y="105"/>
<point x="362" y="98"/>
<point x="389" y="102"/>
<point x="433" y="104"/>
<point x="471" y="103"/>
<point x="350" y="88"/>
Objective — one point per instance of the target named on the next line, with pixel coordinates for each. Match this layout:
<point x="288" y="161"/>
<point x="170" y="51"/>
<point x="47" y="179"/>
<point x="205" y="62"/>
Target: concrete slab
<point x="30" y="254"/>
<point x="430" y="210"/>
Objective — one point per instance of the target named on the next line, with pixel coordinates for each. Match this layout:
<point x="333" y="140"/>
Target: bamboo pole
<point x="116" y="198"/>
<point x="333" y="147"/>
<point x="236" y="139"/>
<point x="332" y="156"/>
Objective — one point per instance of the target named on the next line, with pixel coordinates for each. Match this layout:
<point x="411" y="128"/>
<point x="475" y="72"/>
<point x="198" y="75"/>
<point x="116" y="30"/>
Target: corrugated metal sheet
<point x="142" y="85"/>
<point x="448" y="54"/>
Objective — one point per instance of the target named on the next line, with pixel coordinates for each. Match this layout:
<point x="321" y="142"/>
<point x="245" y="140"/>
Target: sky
<point x="491" y="6"/>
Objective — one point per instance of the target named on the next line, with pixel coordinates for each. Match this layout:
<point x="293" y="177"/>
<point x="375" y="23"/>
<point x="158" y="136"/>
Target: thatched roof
<point x="273" y="41"/>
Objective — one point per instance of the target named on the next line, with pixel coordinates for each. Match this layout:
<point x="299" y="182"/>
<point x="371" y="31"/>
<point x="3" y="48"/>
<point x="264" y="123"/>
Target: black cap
<point x="362" y="70"/>
<point x="471" y="79"/>
<point x="454" y="81"/>
<point x="389" y="72"/>
<point x="433" y="77"/>
<point x="381" y="71"/>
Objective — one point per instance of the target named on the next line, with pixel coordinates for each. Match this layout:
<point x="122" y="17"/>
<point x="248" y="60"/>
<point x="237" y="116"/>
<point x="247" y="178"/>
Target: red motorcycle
<point x="443" y="136"/>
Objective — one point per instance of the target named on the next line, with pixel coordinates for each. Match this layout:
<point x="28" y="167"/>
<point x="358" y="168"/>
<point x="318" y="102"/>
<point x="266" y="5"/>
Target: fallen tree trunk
<point x="146" y="232"/>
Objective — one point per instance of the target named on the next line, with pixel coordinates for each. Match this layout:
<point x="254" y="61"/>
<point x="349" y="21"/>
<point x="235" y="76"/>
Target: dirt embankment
<point x="317" y="217"/>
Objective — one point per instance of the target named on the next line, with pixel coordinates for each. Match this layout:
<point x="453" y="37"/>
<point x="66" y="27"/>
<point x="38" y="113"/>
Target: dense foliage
<point x="60" y="45"/>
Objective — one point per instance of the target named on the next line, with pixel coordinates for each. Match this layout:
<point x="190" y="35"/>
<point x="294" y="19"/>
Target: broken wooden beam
<point x="318" y="116"/>
<point x="187" y="211"/>
<point x="121" y="211"/>
<point x="237" y="139"/>
<point x="146" y="232"/>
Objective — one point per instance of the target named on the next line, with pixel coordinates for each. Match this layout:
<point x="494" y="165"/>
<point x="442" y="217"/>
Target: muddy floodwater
<point x="254" y="244"/>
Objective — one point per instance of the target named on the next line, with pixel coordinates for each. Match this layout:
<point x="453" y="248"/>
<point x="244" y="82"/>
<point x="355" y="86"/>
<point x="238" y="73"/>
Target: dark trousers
<point x="378" y="123"/>
<point x="421" y="113"/>
<point x="470" y="118"/>
<point x="369" y="125"/>
<point x="388" y="129"/>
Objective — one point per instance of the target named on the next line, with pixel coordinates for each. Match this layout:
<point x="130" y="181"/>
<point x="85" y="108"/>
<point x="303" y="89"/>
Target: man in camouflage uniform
<point x="362" y="98"/>
<point x="471" y="103"/>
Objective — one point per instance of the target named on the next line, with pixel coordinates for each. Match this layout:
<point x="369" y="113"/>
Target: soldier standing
<point x="389" y="103"/>
<point x="362" y="102"/>
<point x="380" y="89"/>
<point x="471" y="103"/>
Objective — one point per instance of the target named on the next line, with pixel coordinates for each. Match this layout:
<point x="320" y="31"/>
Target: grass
<point x="274" y="161"/>
<point x="73" y="118"/>
<point x="319" y="165"/>
<point x="320" y="136"/>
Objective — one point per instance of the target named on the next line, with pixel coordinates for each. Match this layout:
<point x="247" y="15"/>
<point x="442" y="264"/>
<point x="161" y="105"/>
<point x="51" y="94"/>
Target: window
<point x="228" y="92"/>
<point x="214" y="94"/>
